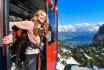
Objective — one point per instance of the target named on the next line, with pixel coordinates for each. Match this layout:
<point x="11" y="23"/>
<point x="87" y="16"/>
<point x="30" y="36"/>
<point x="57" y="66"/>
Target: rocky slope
<point x="99" y="36"/>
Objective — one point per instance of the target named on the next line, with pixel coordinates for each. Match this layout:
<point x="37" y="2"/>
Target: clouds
<point x="66" y="28"/>
<point x="79" y="27"/>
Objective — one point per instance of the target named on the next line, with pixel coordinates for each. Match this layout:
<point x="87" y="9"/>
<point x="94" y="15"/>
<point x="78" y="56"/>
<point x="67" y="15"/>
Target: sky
<point x="80" y="11"/>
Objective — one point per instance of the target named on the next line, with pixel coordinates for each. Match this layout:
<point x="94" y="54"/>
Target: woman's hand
<point x="8" y="39"/>
<point x="47" y="36"/>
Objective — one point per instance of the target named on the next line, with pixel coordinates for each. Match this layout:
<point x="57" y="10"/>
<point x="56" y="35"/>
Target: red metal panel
<point x="49" y="2"/>
<point x="54" y="4"/>
<point x="51" y="56"/>
<point x="3" y="48"/>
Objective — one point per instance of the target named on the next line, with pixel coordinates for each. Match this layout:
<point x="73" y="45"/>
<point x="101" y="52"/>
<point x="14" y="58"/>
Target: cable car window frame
<point x="52" y="27"/>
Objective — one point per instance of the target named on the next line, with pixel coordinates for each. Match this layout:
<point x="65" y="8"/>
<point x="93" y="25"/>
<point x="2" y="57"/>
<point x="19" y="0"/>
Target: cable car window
<point x="52" y="26"/>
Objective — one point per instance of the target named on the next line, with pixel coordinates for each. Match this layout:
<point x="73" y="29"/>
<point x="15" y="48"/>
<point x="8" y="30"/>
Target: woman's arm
<point x="27" y="25"/>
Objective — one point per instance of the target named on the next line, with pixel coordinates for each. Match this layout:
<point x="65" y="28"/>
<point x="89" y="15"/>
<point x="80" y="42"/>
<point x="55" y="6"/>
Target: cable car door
<point x="52" y="41"/>
<point x="1" y="20"/>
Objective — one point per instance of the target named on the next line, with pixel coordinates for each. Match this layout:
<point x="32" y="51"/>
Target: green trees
<point x="87" y="55"/>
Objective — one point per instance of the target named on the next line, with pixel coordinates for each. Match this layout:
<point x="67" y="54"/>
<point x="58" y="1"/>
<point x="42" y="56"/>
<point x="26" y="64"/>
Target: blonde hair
<point x="36" y="22"/>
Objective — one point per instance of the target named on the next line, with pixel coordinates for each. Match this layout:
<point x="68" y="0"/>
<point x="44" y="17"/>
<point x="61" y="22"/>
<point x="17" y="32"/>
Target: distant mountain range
<point x="78" y="33"/>
<point x="77" y="36"/>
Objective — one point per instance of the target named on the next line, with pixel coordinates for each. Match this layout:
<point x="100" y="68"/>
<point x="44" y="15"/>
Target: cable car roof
<point x="25" y="8"/>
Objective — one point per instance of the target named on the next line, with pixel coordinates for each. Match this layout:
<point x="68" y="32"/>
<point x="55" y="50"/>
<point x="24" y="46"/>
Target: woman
<point x="37" y="29"/>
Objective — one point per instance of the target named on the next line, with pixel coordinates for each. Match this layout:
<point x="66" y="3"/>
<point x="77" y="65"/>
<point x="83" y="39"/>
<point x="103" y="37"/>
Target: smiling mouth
<point x="41" y="18"/>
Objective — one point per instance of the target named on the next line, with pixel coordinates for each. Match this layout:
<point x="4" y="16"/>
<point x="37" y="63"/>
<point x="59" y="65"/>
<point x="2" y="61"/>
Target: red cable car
<point x="25" y="9"/>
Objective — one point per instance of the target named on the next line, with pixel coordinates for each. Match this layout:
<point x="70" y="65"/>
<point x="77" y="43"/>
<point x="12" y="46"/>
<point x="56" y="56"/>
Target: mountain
<point x="91" y="58"/>
<point x="99" y="35"/>
<point x="77" y="36"/>
<point x="79" y="33"/>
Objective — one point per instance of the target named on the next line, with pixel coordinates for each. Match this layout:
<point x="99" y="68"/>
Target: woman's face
<point x="42" y="17"/>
